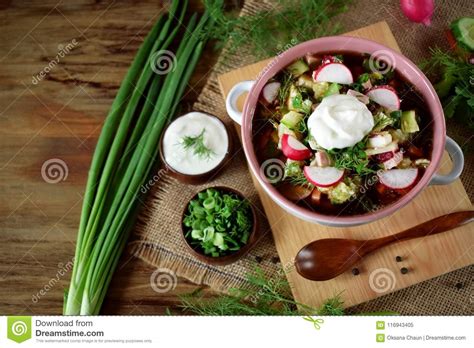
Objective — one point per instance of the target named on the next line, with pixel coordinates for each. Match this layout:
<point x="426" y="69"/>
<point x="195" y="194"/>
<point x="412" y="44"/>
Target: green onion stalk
<point x="126" y="152"/>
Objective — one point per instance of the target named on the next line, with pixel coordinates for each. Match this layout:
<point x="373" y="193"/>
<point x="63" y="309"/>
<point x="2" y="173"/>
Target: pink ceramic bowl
<point x="334" y="45"/>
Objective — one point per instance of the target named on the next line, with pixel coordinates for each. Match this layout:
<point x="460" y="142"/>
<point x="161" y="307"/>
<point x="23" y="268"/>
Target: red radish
<point x="323" y="176"/>
<point x="419" y="11"/>
<point x="270" y="91"/>
<point x="330" y="59"/>
<point x="361" y="97"/>
<point x="386" y="96"/>
<point x="394" y="161"/>
<point x="392" y="147"/>
<point x="294" y="149"/>
<point x="380" y="140"/>
<point x="383" y="157"/>
<point x="398" y="178"/>
<point x="333" y="72"/>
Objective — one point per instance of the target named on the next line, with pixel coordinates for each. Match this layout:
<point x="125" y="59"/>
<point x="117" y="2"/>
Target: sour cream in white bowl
<point x="194" y="146"/>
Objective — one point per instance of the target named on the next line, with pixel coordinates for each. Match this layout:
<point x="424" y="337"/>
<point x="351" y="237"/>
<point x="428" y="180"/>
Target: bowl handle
<point x="231" y="100"/>
<point x="457" y="156"/>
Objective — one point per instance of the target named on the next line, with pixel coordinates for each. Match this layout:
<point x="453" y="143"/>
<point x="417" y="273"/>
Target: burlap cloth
<point x="158" y="240"/>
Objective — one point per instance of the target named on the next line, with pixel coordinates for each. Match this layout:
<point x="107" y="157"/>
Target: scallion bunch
<point x="126" y="151"/>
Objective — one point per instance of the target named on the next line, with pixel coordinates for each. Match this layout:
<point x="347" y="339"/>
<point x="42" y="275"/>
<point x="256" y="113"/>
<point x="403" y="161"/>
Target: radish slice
<point x="333" y="72"/>
<point x="323" y="176"/>
<point x="270" y="91"/>
<point x="393" y="161"/>
<point x="398" y="178"/>
<point x="385" y="96"/>
<point x="294" y="149"/>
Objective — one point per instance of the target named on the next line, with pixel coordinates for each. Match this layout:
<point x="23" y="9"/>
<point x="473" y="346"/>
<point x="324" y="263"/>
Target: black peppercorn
<point x="258" y="259"/>
<point x="404" y="270"/>
<point x="355" y="271"/>
<point x="459" y="286"/>
<point x="275" y="259"/>
<point x="398" y="259"/>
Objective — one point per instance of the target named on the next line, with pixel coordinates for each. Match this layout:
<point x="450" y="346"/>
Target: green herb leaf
<point x="196" y="143"/>
<point x="220" y="222"/>
<point x="352" y="158"/>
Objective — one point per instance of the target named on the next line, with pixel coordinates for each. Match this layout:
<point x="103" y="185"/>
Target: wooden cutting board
<point x="379" y="273"/>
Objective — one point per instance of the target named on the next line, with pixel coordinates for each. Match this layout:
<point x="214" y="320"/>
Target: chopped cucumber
<point x="463" y="31"/>
<point x="295" y="99"/>
<point x="319" y="89"/>
<point x="297" y="68"/>
<point x="293" y="168"/>
<point x="291" y="119"/>
<point x="342" y="192"/>
<point x="408" y="122"/>
<point x="333" y="89"/>
<point x="305" y="81"/>
<point x="381" y="120"/>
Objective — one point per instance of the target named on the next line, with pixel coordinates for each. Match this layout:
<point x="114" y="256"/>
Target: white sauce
<point x="192" y="124"/>
<point x="340" y="121"/>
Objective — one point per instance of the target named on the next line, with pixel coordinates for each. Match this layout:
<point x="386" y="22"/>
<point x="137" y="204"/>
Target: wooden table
<point x="87" y="46"/>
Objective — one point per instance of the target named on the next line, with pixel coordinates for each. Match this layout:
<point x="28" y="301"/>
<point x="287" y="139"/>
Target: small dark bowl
<point x="227" y="259"/>
<point x="196" y="179"/>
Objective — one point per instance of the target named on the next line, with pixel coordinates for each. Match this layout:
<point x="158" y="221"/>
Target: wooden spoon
<point x="325" y="259"/>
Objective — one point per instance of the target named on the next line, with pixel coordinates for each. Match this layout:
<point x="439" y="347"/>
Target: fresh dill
<point x="352" y="158"/>
<point x="264" y="296"/>
<point x="299" y="180"/>
<point x="454" y="84"/>
<point x="284" y="90"/>
<point x="288" y="22"/>
<point x="196" y="143"/>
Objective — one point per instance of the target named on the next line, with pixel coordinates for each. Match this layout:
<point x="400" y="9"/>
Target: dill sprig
<point x="299" y="179"/>
<point x="265" y="296"/>
<point x="454" y="76"/>
<point x="197" y="144"/>
<point x="289" y="22"/>
<point x="352" y="158"/>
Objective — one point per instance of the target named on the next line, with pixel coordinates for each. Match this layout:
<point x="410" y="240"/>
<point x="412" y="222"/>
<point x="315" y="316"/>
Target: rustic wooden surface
<point x="60" y="117"/>
<point x="425" y="258"/>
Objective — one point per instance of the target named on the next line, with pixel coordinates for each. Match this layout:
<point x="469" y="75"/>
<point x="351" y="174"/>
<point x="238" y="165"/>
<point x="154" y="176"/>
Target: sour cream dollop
<point x="340" y="121"/>
<point x="183" y="160"/>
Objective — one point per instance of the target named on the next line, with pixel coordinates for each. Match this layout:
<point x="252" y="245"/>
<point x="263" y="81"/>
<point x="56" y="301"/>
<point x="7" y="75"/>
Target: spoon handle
<point x="437" y="225"/>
